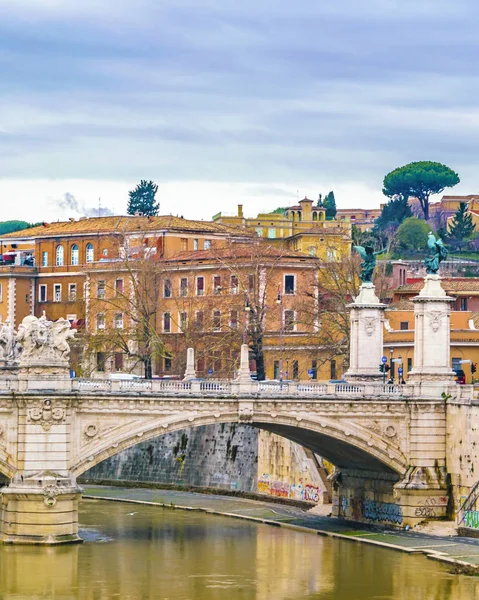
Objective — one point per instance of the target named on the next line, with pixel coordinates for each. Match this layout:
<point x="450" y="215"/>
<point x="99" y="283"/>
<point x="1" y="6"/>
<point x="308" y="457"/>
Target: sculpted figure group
<point x="37" y="340"/>
<point x="368" y="264"/>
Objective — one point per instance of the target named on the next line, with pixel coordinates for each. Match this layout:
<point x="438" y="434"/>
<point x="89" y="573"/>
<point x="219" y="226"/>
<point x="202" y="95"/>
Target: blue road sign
<point x="400" y="371"/>
<point x="384" y="360"/>
<point x="210" y="371"/>
<point x="310" y="372"/>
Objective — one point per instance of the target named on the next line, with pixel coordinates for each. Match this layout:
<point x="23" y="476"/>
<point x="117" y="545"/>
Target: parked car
<point x="460" y="376"/>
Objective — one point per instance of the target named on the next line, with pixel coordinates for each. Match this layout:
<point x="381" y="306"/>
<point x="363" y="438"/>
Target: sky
<point x="223" y="102"/>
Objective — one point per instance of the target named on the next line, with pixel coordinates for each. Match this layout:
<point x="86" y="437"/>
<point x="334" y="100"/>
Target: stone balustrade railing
<point x="222" y="388"/>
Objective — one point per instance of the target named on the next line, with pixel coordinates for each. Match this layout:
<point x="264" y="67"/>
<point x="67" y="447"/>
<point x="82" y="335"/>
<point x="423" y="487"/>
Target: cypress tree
<point x="142" y="199"/>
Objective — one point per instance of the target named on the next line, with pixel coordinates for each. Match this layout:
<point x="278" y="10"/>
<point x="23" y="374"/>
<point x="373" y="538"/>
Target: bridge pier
<point x="40" y="510"/>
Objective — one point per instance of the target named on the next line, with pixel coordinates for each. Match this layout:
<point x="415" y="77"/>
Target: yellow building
<point x="302" y="227"/>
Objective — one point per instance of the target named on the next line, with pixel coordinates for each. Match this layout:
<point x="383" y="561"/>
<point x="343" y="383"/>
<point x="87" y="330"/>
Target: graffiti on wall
<point x="471" y="519"/>
<point x="372" y="510"/>
<point x="308" y="492"/>
<point x="382" y="511"/>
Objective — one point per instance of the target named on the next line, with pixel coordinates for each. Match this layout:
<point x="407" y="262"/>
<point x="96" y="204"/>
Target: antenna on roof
<point x="99" y="207"/>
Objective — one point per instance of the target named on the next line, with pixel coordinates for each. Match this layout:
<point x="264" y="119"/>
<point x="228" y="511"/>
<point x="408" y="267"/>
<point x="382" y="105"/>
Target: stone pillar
<point x="366" y="344"/>
<point x="42" y="509"/>
<point x="423" y="492"/>
<point x="40" y="506"/>
<point x="244" y="375"/>
<point x="432" y="330"/>
<point x="190" y="372"/>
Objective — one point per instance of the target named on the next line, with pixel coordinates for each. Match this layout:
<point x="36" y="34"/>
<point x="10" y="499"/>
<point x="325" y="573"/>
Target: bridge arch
<point x="344" y="444"/>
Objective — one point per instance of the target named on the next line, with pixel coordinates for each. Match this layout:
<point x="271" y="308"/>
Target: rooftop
<point x="451" y="285"/>
<point x="126" y="224"/>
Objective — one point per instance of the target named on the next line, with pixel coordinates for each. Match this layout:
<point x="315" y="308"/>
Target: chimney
<point x="240" y="210"/>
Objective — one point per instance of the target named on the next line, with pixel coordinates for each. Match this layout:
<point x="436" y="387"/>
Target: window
<point x="289" y="284"/>
<point x="207" y="244"/>
<point x="183" y="320"/>
<point x="59" y="256"/>
<point x="271" y="232"/>
<point x="72" y="291"/>
<point x="404" y="326"/>
<point x="1" y="292"/>
<point x="216" y="320"/>
<point x="167" y="288"/>
<point x="184" y="286"/>
<point x="409" y="364"/>
<point x="217" y="285"/>
<point x="234" y="284"/>
<point x="118" y="361"/>
<point x="166" y="322"/>
<point x="200" y="364"/>
<point x="119" y="321"/>
<point x="289" y="320"/>
<point x="200" y="286"/>
<point x="74" y="254"/>
<point x="463" y="304"/>
<point x="216" y="361"/>
<point x="167" y="363"/>
<point x="100" y="321"/>
<point x="100" y="288"/>
<point x="259" y="231"/>
<point x="234" y="319"/>
<point x="195" y="244"/>
<point x="295" y="369"/>
<point x="251" y="284"/>
<point x="100" y="361"/>
<point x="276" y="369"/>
<point x="332" y="369"/>
<point x="104" y="252"/>
<point x="44" y="259"/>
<point x="89" y="253"/>
<point x="314" y="369"/>
<point x="119" y="286"/>
<point x="184" y="244"/>
<point x="57" y="292"/>
<point x="42" y="293"/>
<point x="199" y="320"/>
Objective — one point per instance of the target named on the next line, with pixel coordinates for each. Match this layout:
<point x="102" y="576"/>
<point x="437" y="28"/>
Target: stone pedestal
<point x="190" y="372"/>
<point x="432" y="312"/>
<point x="366" y="344"/>
<point x="40" y="510"/>
<point x="34" y="374"/>
<point x="422" y="494"/>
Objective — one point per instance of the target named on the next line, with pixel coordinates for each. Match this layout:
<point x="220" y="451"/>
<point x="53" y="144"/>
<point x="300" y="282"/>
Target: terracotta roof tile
<point x="238" y="252"/>
<point x="451" y="285"/>
<point x="126" y="224"/>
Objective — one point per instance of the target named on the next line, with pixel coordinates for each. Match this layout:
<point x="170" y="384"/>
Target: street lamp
<point x="279" y="301"/>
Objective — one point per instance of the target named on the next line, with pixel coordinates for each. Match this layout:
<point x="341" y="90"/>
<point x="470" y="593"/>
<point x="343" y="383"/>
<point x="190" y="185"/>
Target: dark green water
<point x="137" y="552"/>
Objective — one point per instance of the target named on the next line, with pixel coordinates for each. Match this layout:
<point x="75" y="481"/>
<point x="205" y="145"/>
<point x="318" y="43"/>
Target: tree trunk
<point x="147" y="365"/>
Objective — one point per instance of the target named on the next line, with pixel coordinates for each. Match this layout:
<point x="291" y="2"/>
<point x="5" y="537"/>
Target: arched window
<point x="74" y="254"/>
<point x="89" y="253"/>
<point x="59" y="256"/>
<point x="315" y="216"/>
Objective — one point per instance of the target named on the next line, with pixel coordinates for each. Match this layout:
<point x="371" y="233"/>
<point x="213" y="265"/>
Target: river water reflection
<point x="138" y="552"/>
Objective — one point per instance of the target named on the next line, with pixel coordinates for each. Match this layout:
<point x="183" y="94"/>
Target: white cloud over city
<point x="226" y="102"/>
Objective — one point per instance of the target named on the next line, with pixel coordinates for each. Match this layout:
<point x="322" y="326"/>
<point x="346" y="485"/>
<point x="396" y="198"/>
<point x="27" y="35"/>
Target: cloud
<point x="254" y="96"/>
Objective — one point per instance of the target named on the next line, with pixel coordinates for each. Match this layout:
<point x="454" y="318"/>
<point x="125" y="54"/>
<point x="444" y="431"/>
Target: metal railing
<point x="468" y="514"/>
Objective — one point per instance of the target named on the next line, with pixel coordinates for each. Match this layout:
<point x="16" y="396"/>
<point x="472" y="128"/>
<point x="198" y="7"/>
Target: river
<point x="136" y="552"/>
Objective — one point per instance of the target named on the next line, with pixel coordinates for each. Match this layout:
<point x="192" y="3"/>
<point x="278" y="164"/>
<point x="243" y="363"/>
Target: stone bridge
<point x="403" y="453"/>
<point x="389" y="442"/>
